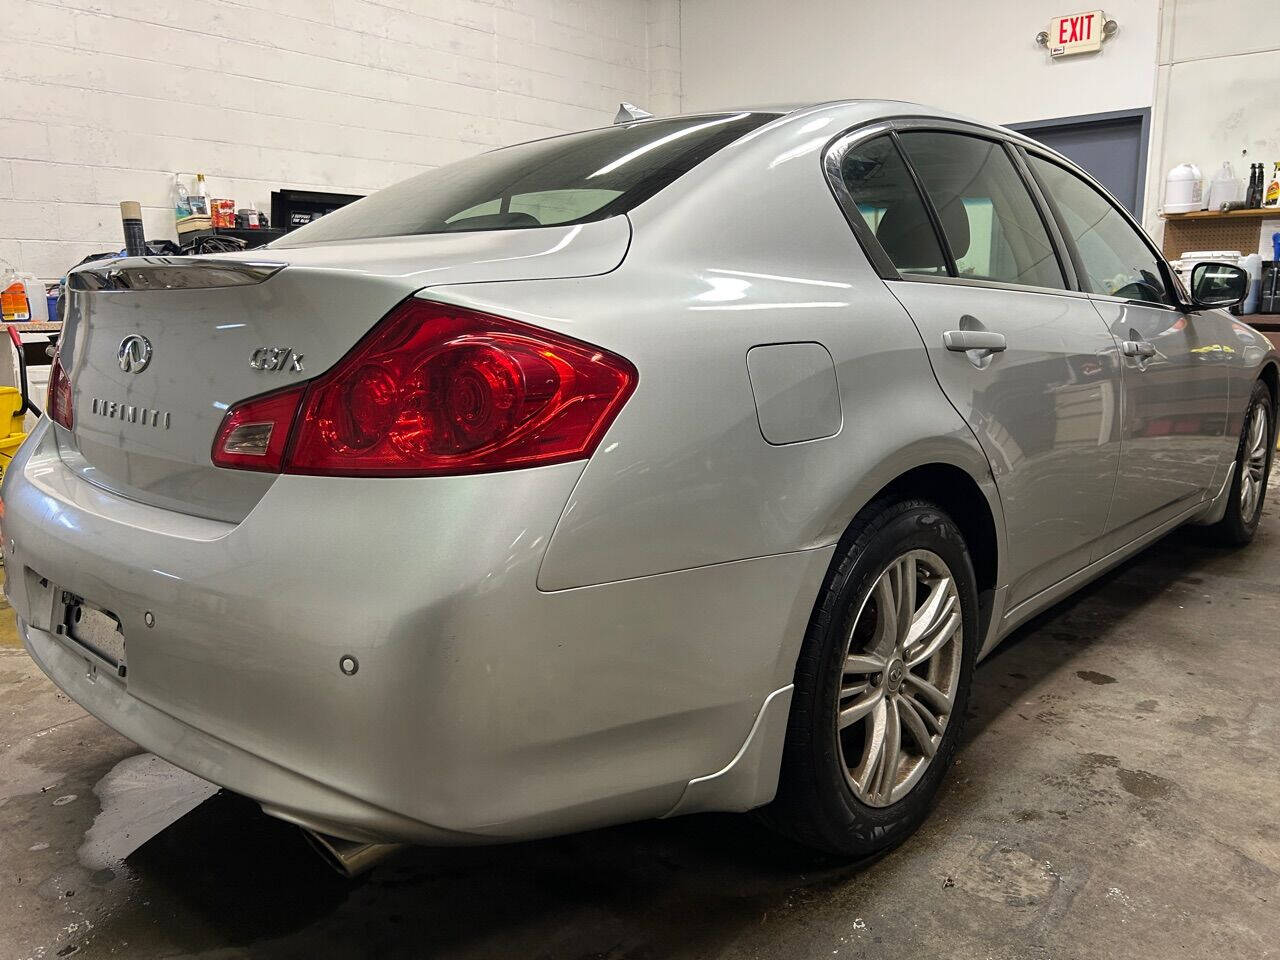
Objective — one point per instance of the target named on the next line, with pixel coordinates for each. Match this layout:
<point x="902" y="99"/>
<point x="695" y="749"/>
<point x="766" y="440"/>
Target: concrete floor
<point x="1116" y="796"/>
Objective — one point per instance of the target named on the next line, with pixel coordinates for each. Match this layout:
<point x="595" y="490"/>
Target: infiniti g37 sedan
<point x="682" y="465"/>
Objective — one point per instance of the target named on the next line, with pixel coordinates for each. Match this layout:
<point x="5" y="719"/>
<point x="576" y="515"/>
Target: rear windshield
<point x="561" y="180"/>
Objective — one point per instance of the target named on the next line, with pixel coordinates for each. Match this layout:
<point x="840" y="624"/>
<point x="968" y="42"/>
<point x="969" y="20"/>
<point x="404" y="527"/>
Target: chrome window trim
<point x="1107" y="298"/>
<point x="994" y="285"/>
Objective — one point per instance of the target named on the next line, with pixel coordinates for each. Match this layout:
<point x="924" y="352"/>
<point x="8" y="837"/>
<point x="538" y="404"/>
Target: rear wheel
<point x="1253" y="464"/>
<point x="881" y="685"/>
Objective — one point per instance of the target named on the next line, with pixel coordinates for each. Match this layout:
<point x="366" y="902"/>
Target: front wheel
<point x="1253" y="464"/>
<point x="881" y="685"/>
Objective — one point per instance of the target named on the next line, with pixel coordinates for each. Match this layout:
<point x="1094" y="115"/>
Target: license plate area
<point x="93" y="628"/>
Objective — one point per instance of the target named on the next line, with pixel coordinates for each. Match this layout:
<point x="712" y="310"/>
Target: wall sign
<point x="1077" y="33"/>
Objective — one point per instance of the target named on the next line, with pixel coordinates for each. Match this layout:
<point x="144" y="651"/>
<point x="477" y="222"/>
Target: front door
<point x="1175" y="378"/>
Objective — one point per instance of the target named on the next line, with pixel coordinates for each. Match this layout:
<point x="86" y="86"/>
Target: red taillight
<point x="58" y="404"/>
<point x="437" y="389"/>
<point x="254" y="433"/>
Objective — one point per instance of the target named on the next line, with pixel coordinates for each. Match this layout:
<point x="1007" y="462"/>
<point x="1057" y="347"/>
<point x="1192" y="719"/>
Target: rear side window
<point x="992" y="225"/>
<point x="1115" y="259"/>
<point x="885" y="193"/>
<point x="561" y="180"/>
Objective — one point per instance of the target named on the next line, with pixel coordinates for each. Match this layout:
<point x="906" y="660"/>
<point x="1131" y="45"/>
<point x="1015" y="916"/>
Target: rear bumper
<point x="483" y="709"/>
<point x="285" y="793"/>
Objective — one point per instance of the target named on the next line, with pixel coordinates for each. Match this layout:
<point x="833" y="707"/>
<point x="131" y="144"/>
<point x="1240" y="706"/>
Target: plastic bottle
<point x="1225" y="187"/>
<point x="199" y="200"/>
<point x="1273" y="189"/>
<point x="1183" y="192"/>
<point x="1252" y="265"/>
<point x="10" y="306"/>
<point x="181" y="200"/>
<point x="23" y="299"/>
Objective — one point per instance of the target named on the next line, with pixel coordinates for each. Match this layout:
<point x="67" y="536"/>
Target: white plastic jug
<point x="1225" y="188"/>
<point x="1184" y="189"/>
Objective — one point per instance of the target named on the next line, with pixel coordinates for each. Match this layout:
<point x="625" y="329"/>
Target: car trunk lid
<point x="157" y="349"/>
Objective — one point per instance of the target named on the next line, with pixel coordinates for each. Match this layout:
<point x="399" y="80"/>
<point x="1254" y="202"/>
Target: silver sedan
<point x="681" y="465"/>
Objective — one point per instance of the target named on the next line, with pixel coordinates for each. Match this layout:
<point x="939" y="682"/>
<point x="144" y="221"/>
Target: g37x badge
<point x="276" y="358"/>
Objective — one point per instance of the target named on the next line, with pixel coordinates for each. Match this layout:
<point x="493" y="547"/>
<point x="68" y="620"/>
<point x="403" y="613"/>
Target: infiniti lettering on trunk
<point x="131" y="413"/>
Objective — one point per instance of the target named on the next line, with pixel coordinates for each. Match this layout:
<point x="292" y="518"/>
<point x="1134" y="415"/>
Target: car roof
<point x="867" y="108"/>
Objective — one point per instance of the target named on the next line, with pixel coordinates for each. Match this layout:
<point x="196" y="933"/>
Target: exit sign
<point x="1076" y="33"/>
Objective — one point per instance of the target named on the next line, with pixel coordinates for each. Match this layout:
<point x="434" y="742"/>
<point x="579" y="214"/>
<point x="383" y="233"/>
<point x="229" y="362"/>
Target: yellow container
<point x="11" y="414"/>
<point x="11" y="426"/>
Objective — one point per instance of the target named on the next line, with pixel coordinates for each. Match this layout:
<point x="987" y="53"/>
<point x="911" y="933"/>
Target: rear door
<point x="1027" y="362"/>
<point x="1175" y="377"/>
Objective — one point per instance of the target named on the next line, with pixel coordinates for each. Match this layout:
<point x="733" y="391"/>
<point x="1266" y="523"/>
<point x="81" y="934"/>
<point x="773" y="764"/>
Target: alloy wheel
<point x="1253" y="469"/>
<point x="900" y="675"/>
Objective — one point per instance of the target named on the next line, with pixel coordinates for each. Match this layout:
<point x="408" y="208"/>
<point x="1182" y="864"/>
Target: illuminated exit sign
<point x="1076" y="33"/>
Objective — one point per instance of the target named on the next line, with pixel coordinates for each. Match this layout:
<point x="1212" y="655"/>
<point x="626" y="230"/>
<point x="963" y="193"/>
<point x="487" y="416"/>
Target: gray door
<point x="1045" y="410"/>
<point x="1023" y="359"/>
<point x="1175" y="402"/>
<point x="1174" y="378"/>
<point x="1111" y="148"/>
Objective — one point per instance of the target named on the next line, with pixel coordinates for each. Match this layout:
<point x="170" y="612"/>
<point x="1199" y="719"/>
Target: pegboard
<point x="1227" y="233"/>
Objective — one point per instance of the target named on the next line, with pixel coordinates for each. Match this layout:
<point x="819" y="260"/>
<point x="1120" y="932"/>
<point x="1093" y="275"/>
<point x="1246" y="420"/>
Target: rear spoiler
<point x="171" y="273"/>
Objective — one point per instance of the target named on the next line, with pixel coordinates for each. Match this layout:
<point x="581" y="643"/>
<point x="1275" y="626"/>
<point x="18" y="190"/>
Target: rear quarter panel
<point x="746" y="250"/>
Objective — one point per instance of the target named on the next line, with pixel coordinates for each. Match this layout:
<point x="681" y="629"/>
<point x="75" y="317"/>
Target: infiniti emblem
<point x="135" y="353"/>
<point x="894" y="675"/>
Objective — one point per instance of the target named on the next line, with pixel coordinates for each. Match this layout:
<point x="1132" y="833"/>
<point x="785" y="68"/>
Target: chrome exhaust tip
<point x="350" y="857"/>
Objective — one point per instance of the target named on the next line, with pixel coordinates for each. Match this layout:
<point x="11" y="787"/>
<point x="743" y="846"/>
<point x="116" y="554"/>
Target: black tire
<point x="1235" y="529"/>
<point x="816" y="805"/>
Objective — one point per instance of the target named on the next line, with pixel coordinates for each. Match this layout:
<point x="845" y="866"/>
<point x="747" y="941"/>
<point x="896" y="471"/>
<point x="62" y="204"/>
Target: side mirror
<point x="1215" y="285"/>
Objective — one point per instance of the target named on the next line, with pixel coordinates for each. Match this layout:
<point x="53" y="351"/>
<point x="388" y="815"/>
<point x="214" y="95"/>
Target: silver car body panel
<point x="148" y="435"/>
<point x="1047" y="412"/>
<point x="551" y="649"/>
<point x="1177" y="435"/>
<point x="602" y="703"/>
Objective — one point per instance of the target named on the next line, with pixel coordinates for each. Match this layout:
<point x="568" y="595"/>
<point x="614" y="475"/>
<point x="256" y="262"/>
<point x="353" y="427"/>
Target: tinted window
<point x="1115" y="259"/>
<point x="881" y="186"/>
<point x="991" y="223"/>
<point x="561" y="180"/>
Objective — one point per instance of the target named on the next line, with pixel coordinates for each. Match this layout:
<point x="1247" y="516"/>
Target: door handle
<point x="961" y="340"/>
<point x="1137" y="348"/>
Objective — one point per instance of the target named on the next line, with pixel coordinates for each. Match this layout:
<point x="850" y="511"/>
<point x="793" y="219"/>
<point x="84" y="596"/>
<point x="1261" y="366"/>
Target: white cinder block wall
<point x="104" y="100"/>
